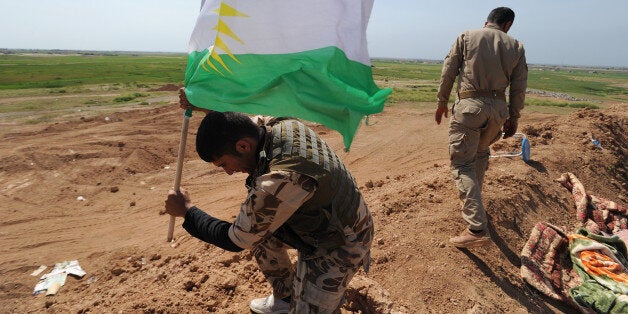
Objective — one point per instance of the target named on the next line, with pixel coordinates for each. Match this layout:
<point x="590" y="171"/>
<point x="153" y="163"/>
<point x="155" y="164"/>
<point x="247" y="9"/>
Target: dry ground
<point x="122" y="164"/>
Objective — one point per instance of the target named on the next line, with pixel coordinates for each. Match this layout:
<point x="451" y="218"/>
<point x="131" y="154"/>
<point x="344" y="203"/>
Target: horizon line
<point x="434" y="61"/>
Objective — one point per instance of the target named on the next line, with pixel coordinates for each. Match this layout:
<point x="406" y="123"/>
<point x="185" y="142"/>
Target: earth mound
<point x="90" y="190"/>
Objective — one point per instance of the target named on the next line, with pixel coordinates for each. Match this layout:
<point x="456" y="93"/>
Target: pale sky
<point x="560" y="32"/>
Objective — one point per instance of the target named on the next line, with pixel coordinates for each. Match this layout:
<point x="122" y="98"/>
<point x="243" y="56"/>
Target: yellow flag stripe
<point x="217" y="57"/>
<point x="227" y="10"/>
<point x="221" y="44"/>
<point x="223" y="28"/>
<point x="209" y="63"/>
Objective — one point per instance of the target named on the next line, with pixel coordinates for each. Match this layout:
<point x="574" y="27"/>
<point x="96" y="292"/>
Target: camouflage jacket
<point x="302" y="194"/>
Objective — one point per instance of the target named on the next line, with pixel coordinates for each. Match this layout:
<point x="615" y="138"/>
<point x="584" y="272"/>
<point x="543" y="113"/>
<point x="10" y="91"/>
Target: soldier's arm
<point x="451" y="69"/>
<point x="276" y="196"/>
<point x="209" y="229"/>
<point x="518" y="85"/>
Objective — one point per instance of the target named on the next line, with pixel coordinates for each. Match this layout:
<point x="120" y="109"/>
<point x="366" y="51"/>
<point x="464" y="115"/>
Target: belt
<point x="481" y="93"/>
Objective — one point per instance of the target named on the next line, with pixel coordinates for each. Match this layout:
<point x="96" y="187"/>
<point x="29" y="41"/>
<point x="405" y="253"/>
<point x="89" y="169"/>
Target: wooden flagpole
<point x="177" y="177"/>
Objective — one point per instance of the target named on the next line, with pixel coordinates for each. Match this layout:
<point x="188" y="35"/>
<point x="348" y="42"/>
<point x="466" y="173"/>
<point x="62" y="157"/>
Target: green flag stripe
<point x="321" y="85"/>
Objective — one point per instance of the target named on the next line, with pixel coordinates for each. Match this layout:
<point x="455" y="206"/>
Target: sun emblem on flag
<point x="222" y="29"/>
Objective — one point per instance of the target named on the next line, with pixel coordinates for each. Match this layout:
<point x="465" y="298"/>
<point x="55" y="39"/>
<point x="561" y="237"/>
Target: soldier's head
<point x="502" y="17"/>
<point x="228" y="140"/>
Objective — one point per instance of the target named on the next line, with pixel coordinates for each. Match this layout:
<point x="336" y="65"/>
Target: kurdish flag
<point x="285" y="58"/>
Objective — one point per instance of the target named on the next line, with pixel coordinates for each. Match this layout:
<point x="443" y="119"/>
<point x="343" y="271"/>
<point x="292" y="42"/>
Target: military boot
<point x="468" y="239"/>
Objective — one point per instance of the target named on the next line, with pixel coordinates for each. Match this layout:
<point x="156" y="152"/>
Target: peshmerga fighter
<point x="300" y="195"/>
<point x="486" y="62"/>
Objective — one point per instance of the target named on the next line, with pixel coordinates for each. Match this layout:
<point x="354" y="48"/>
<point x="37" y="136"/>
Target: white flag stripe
<point x="287" y="26"/>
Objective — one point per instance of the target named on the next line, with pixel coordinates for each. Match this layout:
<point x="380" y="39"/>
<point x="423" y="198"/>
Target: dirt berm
<point x="90" y="189"/>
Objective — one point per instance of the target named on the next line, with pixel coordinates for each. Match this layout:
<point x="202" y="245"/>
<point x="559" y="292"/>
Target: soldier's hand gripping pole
<point x="177" y="178"/>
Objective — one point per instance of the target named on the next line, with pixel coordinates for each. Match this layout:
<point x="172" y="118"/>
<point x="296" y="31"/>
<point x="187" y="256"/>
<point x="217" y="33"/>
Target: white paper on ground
<point x="58" y="275"/>
<point x="39" y="270"/>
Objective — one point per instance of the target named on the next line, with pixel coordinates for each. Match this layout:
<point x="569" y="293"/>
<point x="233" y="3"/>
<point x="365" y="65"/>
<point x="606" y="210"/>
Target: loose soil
<point x="90" y="190"/>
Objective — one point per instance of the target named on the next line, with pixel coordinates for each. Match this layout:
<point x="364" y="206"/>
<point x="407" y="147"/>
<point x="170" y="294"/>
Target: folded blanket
<point x="601" y="263"/>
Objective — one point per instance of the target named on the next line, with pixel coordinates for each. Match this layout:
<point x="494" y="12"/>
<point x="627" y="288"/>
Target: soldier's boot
<point x="269" y="305"/>
<point x="470" y="239"/>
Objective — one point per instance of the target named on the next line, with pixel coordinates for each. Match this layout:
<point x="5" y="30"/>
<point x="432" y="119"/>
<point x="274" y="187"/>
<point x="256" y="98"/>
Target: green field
<point x="40" y="87"/>
<point x="58" y="71"/>
<point x="44" y="87"/>
<point x="553" y="86"/>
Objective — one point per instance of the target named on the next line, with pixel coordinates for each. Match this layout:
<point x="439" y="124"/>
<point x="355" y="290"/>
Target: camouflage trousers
<point x="475" y="124"/>
<point x="316" y="284"/>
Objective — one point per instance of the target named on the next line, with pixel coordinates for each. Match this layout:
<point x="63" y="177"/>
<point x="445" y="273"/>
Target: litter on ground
<point x="52" y="281"/>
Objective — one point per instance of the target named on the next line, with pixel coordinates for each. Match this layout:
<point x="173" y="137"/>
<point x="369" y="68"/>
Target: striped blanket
<point x="586" y="269"/>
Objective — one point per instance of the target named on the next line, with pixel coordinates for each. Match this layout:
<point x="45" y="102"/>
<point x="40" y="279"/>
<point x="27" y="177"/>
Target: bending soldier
<point x="300" y="195"/>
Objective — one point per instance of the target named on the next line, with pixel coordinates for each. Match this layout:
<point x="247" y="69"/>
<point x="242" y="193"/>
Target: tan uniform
<point x="486" y="61"/>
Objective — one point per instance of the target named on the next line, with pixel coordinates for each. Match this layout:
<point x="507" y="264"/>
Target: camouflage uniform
<point x="486" y="61"/>
<point x="301" y="196"/>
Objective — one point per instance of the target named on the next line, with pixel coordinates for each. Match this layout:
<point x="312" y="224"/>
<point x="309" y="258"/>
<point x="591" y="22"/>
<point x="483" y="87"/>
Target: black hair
<point x="219" y="132"/>
<point x="501" y="15"/>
